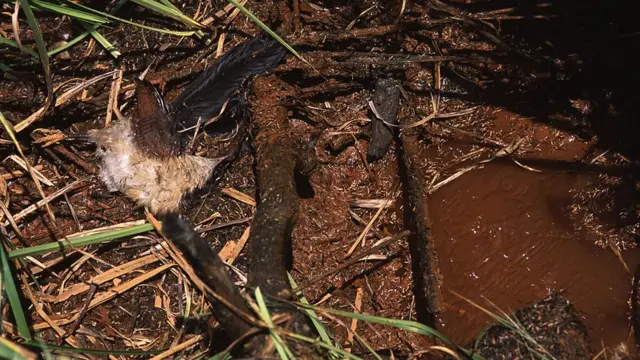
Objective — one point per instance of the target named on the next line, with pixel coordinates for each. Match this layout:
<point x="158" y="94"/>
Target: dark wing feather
<point x="154" y="129"/>
<point x="206" y="95"/>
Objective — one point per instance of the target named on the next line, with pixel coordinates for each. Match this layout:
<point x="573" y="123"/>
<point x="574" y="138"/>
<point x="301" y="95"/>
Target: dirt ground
<point x="528" y="167"/>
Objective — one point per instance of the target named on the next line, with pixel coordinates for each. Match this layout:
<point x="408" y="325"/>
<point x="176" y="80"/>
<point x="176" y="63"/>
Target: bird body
<point x="142" y="155"/>
<point x="157" y="183"/>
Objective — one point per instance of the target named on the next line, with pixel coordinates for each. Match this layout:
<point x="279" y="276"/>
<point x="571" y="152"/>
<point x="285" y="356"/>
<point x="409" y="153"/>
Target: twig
<point x="354" y="21"/>
<point x="223" y="225"/>
<point x="296" y="16"/>
<point x="85" y="307"/>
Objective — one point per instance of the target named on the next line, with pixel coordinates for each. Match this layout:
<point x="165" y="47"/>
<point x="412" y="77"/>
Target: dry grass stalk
<point x="367" y="228"/>
<point x="71" y="340"/>
<point x="372" y="203"/>
<point x="15" y="24"/>
<point x="444" y="182"/>
<point x="234" y="14"/>
<point x="120" y="289"/>
<point x="373" y="257"/>
<point x="106" y="296"/>
<point x="113" y="96"/>
<point x="211" y="217"/>
<point x="223" y="225"/>
<point x="45" y="201"/>
<point x="232" y="249"/>
<point x="354" y="21"/>
<point x="240" y="196"/>
<point x="174" y="349"/>
<point x="103" y="229"/>
<point x="354" y="321"/>
<point x="220" y="47"/>
<point x="62" y="99"/>
<point x="12" y="134"/>
<point x="616" y="250"/>
<point x="99" y="279"/>
<point x="37" y="173"/>
<point x="11" y="219"/>
<point x="17" y="173"/>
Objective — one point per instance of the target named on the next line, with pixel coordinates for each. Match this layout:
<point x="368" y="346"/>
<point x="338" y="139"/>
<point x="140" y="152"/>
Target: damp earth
<point x="514" y="164"/>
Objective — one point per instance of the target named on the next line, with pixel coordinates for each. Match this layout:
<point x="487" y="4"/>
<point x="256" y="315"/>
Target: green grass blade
<point x="170" y="11"/>
<point x="92" y="29"/>
<point x="199" y="33"/>
<point x="322" y="331"/>
<point x="169" y="4"/>
<point x="106" y="44"/>
<point x="406" y="325"/>
<point x="69" y="44"/>
<point x="81" y="241"/>
<point x="221" y="356"/>
<point x="13" y="294"/>
<point x="151" y="28"/>
<point x="11" y="350"/>
<point x="44" y="59"/>
<point x="46" y="346"/>
<point x="13" y="44"/>
<point x="71" y="12"/>
<point x="264" y="27"/>
<point x="323" y="344"/>
<point x="281" y="347"/>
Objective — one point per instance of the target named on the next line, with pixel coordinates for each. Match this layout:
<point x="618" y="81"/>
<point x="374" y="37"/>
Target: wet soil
<point x="505" y="232"/>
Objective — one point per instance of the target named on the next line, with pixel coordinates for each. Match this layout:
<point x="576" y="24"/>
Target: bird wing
<point x="154" y="129"/>
<point x="229" y="77"/>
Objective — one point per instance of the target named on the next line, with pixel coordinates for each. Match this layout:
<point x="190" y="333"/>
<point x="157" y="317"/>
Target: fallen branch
<point x="280" y="154"/>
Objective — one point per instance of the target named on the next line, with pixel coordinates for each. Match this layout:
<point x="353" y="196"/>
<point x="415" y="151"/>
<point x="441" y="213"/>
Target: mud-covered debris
<point x="427" y="276"/>
<point x="554" y="329"/>
<point x="386" y="99"/>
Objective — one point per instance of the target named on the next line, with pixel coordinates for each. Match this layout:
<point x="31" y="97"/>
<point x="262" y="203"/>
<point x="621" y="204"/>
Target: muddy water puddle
<point x="504" y="233"/>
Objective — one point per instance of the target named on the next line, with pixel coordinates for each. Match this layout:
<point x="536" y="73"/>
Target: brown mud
<point x="505" y="234"/>
<point x="557" y="85"/>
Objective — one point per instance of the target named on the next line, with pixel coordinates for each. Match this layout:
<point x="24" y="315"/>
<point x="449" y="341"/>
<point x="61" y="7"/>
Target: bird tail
<point x="204" y="98"/>
<point x="211" y="270"/>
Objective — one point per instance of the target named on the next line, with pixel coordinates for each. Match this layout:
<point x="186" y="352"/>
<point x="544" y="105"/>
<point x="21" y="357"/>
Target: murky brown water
<point x="502" y="232"/>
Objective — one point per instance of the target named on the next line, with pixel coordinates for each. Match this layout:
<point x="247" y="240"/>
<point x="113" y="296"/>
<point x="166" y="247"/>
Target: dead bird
<point x="143" y="155"/>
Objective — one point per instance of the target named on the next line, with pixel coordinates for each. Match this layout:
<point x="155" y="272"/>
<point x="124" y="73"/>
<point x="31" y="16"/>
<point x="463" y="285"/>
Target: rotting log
<point x="280" y="154"/>
<point x="424" y="259"/>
